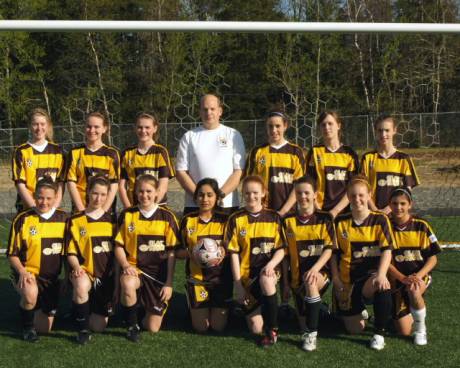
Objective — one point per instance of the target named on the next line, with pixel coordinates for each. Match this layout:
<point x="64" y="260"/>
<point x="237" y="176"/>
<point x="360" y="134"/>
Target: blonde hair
<point x="145" y="178"/>
<point x="42" y="112"/>
<point x="359" y="180"/>
<point x="150" y="116"/>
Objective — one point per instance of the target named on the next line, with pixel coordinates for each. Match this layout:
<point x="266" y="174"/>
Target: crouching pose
<point x="90" y="256"/>
<point x="35" y="249"/>
<point x="413" y="260"/>
<point x="311" y="238"/>
<point x="144" y="248"/>
<point x="359" y="267"/>
<point x="255" y="239"/>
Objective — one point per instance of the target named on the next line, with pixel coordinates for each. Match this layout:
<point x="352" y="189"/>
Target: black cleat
<point x="83" y="337"/>
<point x="30" y="335"/>
<point x="134" y="333"/>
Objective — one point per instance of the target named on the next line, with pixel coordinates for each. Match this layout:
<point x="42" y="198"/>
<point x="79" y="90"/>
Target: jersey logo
<point x="153" y="246"/>
<point x="190" y="230"/>
<point x="222" y="141"/>
<point x="33" y="230"/>
<point x="409" y="256"/>
<point x="391" y="181"/>
<point x="130" y="162"/>
<point x="105" y="247"/>
<point x="345" y="235"/>
<point x="372" y="251"/>
<point x="56" y="248"/>
<point x="29" y="162"/>
<point x="82" y="231"/>
<point x="313" y="250"/>
<point x="338" y="174"/>
<point x="153" y="173"/>
<point x="243" y="232"/>
<point x="262" y="161"/>
<point x="263" y="248"/>
<point x="203" y="294"/>
<point x="282" y="177"/>
<point x="131" y="227"/>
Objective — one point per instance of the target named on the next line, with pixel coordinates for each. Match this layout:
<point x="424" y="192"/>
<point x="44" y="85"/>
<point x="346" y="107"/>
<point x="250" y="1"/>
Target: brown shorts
<point x="101" y="296"/>
<point x="349" y="302"/>
<point x="209" y="295"/>
<point x="148" y="295"/>
<point x="401" y="301"/>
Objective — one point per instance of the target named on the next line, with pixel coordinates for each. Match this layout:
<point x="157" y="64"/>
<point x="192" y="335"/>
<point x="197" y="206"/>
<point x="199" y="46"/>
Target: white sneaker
<point x="309" y="341"/>
<point x="420" y="338"/>
<point x="377" y="342"/>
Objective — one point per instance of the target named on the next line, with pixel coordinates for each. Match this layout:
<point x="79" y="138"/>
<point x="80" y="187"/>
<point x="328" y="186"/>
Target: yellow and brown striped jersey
<point x="30" y="165"/>
<point x="193" y="229"/>
<point x="83" y="163"/>
<point x="386" y="174"/>
<point x="279" y="167"/>
<point x="254" y="237"/>
<point x="38" y="242"/>
<point x="147" y="241"/>
<point x="155" y="162"/>
<point x="332" y="170"/>
<point x="307" y="238"/>
<point x="415" y="242"/>
<point x="360" y="246"/>
<point x="92" y="242"/>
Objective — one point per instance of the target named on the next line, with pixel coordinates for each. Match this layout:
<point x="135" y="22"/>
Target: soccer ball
<point x="207" y="253"/>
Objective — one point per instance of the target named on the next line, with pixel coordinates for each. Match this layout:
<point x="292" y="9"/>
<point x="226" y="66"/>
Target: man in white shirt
<point x="212" y="150"/>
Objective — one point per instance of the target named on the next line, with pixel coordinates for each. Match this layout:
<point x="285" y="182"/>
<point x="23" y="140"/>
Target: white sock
<point x="419" y="319"/>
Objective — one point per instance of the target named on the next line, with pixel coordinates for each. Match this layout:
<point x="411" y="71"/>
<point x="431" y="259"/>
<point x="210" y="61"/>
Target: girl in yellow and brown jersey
<point x="255" y="239"/>
<point x="36" y="159"/>
<point x="92" y="159"/>
<point x="332" y="164"/>
<point x="89" y="250"/>
<point x="278" y="162"/>
<point x="209" y="290"/>
<point x="144" y="247"/>
<point x="387" y="168"/>
<point x="147" y="157"/>
<point x="35" y="248"/>
<point x="413" y="260"/>
<point x="310" y="237"/>
<point x="359" y="267"/>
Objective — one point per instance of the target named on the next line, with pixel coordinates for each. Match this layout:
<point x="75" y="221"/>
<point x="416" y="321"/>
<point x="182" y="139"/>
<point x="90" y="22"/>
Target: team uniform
<point x="307" y="238"/>
<point x="415" y="243"/>
<point x="255" y="237"/>
<point x="147" y="242"/>
<point x="91" y="241"/>
<point x="206" y="287"/>
<point x="332" y="170"/>
<point x="31" y="163"/>
<point x="39" y="243"/>
<point x="359" y="251"/>
<point x="84" y="163"/>
<point x="279" y="166"/>
<point x="386" y="174"/>
<point x="155" y="162"/>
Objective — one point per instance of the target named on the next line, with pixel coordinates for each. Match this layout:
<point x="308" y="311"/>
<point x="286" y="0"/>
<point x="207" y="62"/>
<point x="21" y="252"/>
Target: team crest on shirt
<point x="82" y="231"/>
<point x="262" y="161"/>
<point x="203" y="294"/>
<point x="344" y="235"/>
<point x="222" y="141"/>
<point x="130" y="162"/>
<point x="33" y="230"/>
<point x="131" y="227"/>
<point x="190" y="230"/>
<point x="243" y="232"/>
<point x="29" y="162"/>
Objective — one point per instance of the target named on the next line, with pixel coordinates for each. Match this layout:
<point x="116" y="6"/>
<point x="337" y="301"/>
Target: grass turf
<point x="176" y="345"/>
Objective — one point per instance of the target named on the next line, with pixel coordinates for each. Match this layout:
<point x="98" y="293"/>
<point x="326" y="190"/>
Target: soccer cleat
<point x="30" y="335"/>
<point x="269" y="339"/>
<point x="420" y="338"/>
<point x="134" y="333"/>
<point x="377" y="342"/>
<point x="83" y="337"/>
<point x="309" y="341"/>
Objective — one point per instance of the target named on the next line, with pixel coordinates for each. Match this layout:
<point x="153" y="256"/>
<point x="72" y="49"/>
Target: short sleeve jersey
<point x="84" y="163"/>
<point x="360" y="246"/>
<point x="254" y="237"/>
<point x="193" y="229"/>
<point x="307" y="238"/>
<point x="92" y="242"/>
<point x="386" y="174"/>
<point x="155" y="162"/>
<point x="415" y="243"/>
<point x="279" y="167"/>
<point x="332" y="170"/>
<point x="29" y="165"/>
<point x="38" y="242"/>
<point x="147" y="241"/>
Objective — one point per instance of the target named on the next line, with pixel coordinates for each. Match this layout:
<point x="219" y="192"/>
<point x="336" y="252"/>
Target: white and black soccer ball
<point x="207" y="253"/>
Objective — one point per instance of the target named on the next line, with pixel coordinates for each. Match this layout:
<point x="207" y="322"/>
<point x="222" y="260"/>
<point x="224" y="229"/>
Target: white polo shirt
<point x="211" y="153"/>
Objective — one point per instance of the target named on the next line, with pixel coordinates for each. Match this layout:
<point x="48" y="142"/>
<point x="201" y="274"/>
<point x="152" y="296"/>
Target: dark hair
<point x="257" y="179"/>
<point x="145" y="178"/>
<point x="212" y="183"/>
<point x="280" y="114"/>
<point x="46" y="182"/>
<point x="359" y="179"/>
<point x="383" y="118"/>
<point x="97" y="179"/>
<point x="337" y="118"/>
<point x="401" y="191"/>
<point x="306" y="180"/>
<point x="150" y="116"/>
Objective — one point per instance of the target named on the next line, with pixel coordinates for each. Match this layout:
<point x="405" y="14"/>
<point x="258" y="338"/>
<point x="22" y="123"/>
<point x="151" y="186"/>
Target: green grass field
<point x="176" y="345"/>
